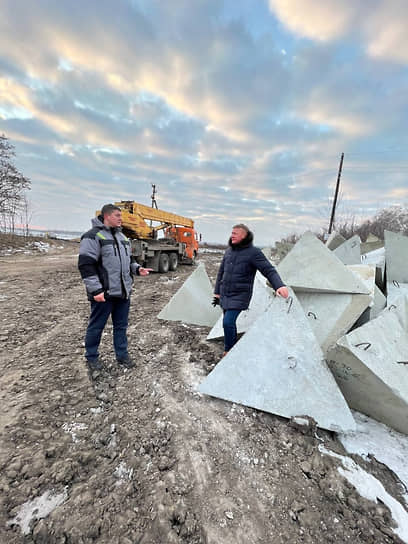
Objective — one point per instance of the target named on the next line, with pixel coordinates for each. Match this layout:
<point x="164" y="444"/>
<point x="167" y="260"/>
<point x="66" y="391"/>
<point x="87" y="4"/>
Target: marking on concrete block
<point x="278" y="367"/>
<point x="192" y="302"/>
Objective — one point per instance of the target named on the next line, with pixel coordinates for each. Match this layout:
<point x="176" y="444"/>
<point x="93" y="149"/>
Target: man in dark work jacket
<point x="235" y="279"/>
<point x="107" y="271"/>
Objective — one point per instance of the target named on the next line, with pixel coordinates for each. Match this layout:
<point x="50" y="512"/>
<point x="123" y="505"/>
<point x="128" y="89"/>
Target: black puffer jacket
<point x="236" y="275"/>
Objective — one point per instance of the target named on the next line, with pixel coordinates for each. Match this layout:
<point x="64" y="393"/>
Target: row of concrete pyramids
<point x="279" y="365"/>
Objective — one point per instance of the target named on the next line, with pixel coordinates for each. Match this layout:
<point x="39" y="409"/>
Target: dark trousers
<point x="118" y="308"/>
<point x="230" y="328"/>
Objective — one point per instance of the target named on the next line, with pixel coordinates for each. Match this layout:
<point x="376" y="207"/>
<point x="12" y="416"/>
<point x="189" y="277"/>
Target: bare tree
<point x="12" y="183"/>
<point x="26" y="214"/>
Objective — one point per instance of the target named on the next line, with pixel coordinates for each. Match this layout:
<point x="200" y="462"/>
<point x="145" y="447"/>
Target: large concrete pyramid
<point x="334" y="240"/>
<point x="310" y="266"/>
<point x="377" y="258"/>
<point x="331" y="315"/>
<point x="400" y="307"/>
<point x="396" y="253"/>
<point x="262" y="297"/>
<point x="192" y="302"/>
<point x="278" y="367"/>
<point x="349" y="251"/>
<point x="370" y="366"/>
<point x="395" y="290"/>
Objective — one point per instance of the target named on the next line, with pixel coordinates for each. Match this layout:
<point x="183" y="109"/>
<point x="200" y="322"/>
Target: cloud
<point x="380" y="25"/>
<point x="199" y="98"/>
<point x="315" y="19"/>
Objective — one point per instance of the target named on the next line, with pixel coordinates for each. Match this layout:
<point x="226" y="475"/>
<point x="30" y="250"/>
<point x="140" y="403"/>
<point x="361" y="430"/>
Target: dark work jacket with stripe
<point x="104" y="261"/>
<point x="235" y="279"/>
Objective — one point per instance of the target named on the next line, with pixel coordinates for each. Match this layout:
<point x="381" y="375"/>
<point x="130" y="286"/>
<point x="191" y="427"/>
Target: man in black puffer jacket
<point x="235" y="279"/>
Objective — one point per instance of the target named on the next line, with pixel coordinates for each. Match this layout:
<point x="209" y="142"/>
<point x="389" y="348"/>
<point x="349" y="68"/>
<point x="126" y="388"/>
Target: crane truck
<point x="178" y="245"/>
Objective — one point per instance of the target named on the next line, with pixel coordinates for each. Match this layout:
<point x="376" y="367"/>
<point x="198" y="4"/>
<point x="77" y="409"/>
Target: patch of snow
<point x="41" y="246"/>
<point x="386" y="445"/>
<point x="301" y="421"/>
<point x="38" y="508"/>
<point x="71" y="428"/>
<point x="211" y="250"/>
<point x="122" y="473"/>
<point x="370" y="488"/>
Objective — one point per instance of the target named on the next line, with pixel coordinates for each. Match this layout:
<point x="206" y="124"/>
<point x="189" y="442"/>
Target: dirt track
<point x="139" y="456"/>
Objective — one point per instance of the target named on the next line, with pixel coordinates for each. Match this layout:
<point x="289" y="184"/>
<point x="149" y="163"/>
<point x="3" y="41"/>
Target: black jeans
<point x="118" y="308"/>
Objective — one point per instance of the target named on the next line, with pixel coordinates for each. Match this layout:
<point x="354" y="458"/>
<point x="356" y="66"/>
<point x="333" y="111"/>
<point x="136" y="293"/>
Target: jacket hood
<point x="247" y="241"/>
<point x="97" y="221"/>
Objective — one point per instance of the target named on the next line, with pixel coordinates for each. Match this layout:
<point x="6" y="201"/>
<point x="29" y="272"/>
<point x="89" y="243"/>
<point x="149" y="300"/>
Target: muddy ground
<point x="138" y="456"/>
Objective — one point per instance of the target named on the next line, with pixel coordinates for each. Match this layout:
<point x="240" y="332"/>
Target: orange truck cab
<point x="187" y="236"/>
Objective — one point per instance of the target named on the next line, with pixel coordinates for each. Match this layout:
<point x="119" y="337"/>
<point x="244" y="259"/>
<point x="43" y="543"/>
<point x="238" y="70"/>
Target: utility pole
<point x="336" y="194"/>
<point x="153" y="197"/>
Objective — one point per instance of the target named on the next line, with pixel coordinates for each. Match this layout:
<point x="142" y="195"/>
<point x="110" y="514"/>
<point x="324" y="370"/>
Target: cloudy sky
<point x="237" y="110"/>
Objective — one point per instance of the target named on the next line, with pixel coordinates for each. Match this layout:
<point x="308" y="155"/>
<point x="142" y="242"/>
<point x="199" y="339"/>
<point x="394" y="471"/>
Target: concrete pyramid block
<point x="372" y="238"/>
<point x="192" y="302"/>
<point x="395" y="290"/>
<point x="334" y="240"/>
<point x="278" y="367"/>
<point x="262" y="297"/>
<point x="378" y="303"/>
<point x="376" y="257"/>
<point x="331" y="315"/>
<point x="400" y="307"/>
<point x="396" y="255"/>
<point x="370" y="366"/>
<point x="349" y="251"/>
<point x="366" y="273"/>
<point x="311" y="266"/>
<point x="372" y="242"/>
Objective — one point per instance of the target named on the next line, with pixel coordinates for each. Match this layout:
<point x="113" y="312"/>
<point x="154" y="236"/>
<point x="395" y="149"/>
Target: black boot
<point x="94" y="365"/>
<point x="126" y="362"/>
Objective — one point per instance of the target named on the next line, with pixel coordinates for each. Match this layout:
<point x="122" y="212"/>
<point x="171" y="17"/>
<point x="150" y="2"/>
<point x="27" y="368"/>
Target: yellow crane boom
<point x="135" y="215"/>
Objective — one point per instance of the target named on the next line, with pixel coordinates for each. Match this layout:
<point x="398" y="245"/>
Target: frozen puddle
<point x="38" y="508"/>
<point x="371" y="489"/>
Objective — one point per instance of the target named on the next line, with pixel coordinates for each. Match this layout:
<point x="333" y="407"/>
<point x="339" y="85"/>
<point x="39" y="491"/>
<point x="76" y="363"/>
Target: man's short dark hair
<point x="241" y="226"/>
<point x="107" y="209"/>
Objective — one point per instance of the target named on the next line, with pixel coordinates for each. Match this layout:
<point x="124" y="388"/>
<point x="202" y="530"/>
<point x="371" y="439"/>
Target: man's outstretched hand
<point x="144" y="271"/>
<point x="216" y="300"/>
<point x="282" y="292"/>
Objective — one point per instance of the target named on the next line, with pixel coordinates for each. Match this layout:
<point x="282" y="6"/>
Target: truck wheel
<point x="173" y="261"/>
<point x="164" y="262"/>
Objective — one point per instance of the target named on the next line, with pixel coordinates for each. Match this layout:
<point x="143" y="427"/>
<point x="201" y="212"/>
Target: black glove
<point x="216" y="301"/>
